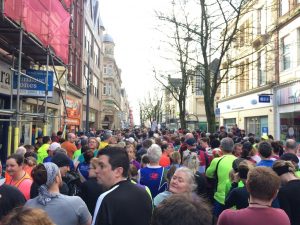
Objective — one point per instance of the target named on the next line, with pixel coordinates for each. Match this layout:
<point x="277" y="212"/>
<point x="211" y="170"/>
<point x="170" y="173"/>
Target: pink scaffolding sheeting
<point x="68" y="3"/>
<point x="47" y="20"/>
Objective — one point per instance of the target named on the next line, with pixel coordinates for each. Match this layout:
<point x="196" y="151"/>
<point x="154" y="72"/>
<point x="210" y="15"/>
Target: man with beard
<point x="62" y="209"/>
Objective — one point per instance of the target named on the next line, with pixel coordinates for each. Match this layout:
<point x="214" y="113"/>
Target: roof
<point x="108" y="38"/>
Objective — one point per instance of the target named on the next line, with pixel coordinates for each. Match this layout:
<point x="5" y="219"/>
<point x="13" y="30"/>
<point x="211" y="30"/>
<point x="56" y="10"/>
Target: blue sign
<point x="265" y="130"/>
<point x="264" y="98"/>
<point x="30" y="87"/>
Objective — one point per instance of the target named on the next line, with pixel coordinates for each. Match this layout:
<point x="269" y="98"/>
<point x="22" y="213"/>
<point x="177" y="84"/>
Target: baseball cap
<point x="131" y="140"/>
<point x="54" y="146"/>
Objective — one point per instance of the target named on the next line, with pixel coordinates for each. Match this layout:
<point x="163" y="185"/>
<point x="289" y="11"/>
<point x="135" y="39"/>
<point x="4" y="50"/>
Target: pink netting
<point x="68" y="3"/>
<point x="45" y="19"/>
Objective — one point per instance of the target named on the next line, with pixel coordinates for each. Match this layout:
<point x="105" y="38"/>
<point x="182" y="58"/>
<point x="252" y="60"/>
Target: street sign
<point x="264" y="98"/>
<point x="30" y="87"/>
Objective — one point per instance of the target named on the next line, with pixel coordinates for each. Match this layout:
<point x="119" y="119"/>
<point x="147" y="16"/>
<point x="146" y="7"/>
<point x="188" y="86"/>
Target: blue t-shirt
<point x="84" y="169"/>
<point x="47" y="159"/>
<point x="153" y="178"/>
<point x="265" y="162"/>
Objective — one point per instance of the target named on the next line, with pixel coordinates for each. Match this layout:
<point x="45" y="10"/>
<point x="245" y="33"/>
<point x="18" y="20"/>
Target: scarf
<point x="44" y="195"/>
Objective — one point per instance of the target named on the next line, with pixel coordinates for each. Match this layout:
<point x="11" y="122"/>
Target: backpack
<point x="72" y="179"/>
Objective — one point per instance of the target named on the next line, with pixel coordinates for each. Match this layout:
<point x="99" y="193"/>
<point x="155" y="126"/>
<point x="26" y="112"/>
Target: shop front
<point x="5" y="92"/>
<point x="252" y="112"/>
<point x="288" y="117"/>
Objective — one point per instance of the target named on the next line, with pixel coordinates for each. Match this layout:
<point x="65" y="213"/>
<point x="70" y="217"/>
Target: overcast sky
<point x="131" y="23"/>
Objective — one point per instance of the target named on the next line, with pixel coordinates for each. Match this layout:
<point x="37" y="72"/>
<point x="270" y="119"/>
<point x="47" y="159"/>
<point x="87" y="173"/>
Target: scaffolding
<point x="34" y="48"/>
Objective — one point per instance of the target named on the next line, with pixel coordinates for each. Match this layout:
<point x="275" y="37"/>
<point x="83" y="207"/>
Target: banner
<point x="30" y="87"/>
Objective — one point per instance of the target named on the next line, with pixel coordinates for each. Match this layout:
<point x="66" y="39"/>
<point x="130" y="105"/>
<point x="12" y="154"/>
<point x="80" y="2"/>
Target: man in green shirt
<point x="42" y="151"/>
<point x="224" y="166"/>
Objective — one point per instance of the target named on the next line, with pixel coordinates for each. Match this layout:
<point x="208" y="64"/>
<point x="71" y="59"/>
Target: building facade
<point x="247" y="94"/>
<point x="92" y="65"/>
<point x="287" y="92"/>
<point x="111" y="90"/>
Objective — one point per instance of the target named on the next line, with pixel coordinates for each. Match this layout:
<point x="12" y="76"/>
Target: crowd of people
<point x="157" y="177"/>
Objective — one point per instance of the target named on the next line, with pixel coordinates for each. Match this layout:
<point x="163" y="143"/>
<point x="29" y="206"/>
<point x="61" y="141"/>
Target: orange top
<point x="164" y="161"/>
<point x="70" y="148"/>
<point x="24" y="185"/>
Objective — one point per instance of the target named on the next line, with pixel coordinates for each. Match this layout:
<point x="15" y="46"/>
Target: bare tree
<point x="151" y="109"/>
<point x="210" y="33"/>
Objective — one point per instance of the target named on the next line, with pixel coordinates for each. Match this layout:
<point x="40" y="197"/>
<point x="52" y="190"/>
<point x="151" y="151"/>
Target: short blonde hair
<point x="27" y="216"/>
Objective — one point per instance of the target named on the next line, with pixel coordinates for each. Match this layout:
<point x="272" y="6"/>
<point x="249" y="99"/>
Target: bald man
<point x="69" y="145"/>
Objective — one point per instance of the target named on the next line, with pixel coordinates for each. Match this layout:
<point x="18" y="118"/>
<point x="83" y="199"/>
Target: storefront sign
<point x="289" y="95"/>
<point x="5" y="76"/>
<point x="252" y="101"/>
<point x="74" y="111"/>
<point x="30" y="87"/>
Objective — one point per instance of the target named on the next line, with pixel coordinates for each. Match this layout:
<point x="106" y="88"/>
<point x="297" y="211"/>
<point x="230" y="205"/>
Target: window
<point x="109" y="50"/>
<point x="107" y="89"/>
<point x="284" y="7"/>
<point x="87" y="39"/>
<point x="91" y="84"/>
<point x="105" y="69"/>
<point x="85" y="76"/>
<point x="110" y="70"/>
<point x="261" y="21"/>
<point x="96" y="86"/>
<point x="199" y="85"/>
<point x="242" y="35"/>
<point x="261" y="68"/>
<point x="96" y="54"/>
<point x="286" y="52"/>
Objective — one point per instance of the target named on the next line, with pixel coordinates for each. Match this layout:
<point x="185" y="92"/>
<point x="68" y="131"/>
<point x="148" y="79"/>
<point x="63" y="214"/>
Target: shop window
<point x="257" y="125"/>
<point x="229" y="123"/>
<point x="290" y="126"/>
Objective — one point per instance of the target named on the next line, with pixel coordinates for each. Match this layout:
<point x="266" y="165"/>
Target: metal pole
<point x="9" y="139"/>
<point x="17" y="128"/>
<point x="87" y="109"/>
<point x="46" y="96"/>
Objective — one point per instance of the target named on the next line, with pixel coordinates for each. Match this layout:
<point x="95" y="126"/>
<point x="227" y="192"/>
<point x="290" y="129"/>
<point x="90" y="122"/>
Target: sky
<point x="132" y="25"/>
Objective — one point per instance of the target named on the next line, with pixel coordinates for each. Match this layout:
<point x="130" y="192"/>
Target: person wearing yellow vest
<point x="19" y="178"/>
<point x="105" y="140"/>
<point x="224" y="167"/>
<point x="42" y="152"/>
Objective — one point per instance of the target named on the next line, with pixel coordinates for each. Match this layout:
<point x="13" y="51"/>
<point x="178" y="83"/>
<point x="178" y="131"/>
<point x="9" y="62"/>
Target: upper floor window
<point x="96" y="54"/>
<point x="96" y="86"/>
<point x="109" y="50"/>
<point x="87" y="39"/>
<point x="286" y="52"/>
<point x="110" y="70"/>
<point x="107" y="89"/>
<point x="261" y="21"/>
<point x="284" y="7"/>
<point x="261" y="68"/>
<point x="199" y="85"/>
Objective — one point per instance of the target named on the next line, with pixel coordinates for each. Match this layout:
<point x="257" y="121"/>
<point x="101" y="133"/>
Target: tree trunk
<point x="210" y="114"/>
